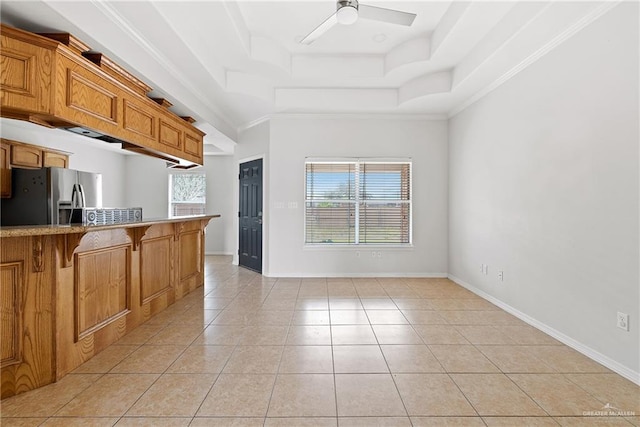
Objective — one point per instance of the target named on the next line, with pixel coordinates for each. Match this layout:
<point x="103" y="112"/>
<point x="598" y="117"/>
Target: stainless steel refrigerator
<point x="50" y="196"/>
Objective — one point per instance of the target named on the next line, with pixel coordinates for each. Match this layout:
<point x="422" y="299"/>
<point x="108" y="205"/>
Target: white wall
<point x="294" y="139"/>
<point x="544" y="185"/>
<point x="221" y="171"/>
<point x="148" y="188"/>
<point x="253" y="143"/>
<point x="87" y="155"/>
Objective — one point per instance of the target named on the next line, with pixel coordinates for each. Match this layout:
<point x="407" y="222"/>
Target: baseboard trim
<point x="218" y="253"/>
<point x="360" y="275"/>
<point x="616" y="367"/>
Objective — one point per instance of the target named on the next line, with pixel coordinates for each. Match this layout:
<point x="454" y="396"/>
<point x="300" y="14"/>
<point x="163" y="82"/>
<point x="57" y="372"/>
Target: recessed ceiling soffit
<point x="465" y="46"/>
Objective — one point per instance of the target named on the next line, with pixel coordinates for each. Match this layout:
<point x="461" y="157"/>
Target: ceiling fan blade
<point x="386" y="15"/>
<point x="321" y="29"/>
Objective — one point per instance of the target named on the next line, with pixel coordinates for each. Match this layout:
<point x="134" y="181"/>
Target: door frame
<point x="265" y="210"/>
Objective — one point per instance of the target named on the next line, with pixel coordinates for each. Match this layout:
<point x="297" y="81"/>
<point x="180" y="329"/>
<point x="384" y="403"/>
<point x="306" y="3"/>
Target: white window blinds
<point x="358" y="202"/>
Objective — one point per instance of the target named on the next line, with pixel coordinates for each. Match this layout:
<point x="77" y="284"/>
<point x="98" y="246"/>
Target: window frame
<point x="359" y="161"/>
<point x="170" y="195"/>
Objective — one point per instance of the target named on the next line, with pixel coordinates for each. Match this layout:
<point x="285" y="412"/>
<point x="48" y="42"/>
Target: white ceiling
<point x="232" y="64"/>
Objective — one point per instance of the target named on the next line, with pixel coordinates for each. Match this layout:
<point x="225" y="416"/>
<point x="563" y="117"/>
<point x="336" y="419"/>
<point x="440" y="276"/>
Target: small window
<point x="358" y="202"/>
<point x="187" y="194"/>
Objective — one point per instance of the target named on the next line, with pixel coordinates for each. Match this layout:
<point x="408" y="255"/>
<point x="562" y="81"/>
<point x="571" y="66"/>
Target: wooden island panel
<point x="102" y="288"/>
<point x="157" y="263"/>
<point x="191" y="257"/>
<point x="100" y="284"/>
<point x="10" y="285"/>
<point x="28" y="281"/>
<point x="85" y="324"/>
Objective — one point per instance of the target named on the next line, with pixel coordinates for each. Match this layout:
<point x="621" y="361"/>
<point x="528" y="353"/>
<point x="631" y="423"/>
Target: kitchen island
<point x="69" y="291"/>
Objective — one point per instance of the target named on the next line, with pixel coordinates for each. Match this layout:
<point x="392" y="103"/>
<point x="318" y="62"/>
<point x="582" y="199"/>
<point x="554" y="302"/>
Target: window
<point x="358" y="202"/>
<point x="187" y="194"/>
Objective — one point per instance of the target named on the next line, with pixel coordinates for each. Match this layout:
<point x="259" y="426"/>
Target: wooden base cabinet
<point x="100" y="284"/>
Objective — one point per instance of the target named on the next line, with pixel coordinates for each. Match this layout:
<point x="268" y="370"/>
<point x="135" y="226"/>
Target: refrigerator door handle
<point x="77" y="197"/>
<point x="83" y="201"/>
<point x="74" y="196"/>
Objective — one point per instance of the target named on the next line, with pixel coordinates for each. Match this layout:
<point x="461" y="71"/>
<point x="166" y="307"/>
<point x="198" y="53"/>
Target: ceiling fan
<point x="348" y="12"/>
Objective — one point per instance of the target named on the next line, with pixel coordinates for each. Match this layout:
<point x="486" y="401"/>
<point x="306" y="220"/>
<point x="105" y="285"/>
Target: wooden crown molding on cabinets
<point x="55" y="80"/>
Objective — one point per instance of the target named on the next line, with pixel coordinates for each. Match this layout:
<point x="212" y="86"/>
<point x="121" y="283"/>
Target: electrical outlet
<point x="486" y="269"/>
<point x="501" y="275"/>
<point x="623" y="321"/>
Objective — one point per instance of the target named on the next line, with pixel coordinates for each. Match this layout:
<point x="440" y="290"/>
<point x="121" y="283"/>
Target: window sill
<point x="360" y="247"/>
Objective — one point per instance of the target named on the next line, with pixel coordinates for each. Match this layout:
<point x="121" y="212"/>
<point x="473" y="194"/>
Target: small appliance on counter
<point x="106" y="216"/>
<point x="60" y="196"/>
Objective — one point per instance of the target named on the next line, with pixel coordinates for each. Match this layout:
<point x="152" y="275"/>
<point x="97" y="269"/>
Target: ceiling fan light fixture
<point x="347" y="15"/>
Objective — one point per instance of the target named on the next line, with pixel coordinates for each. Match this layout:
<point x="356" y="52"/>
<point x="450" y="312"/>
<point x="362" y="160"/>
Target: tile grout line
<point x="404" y="406"/>
<point x="333" y="360"/>
<point x="219" y="373"/>
<point x="275" y="377"/>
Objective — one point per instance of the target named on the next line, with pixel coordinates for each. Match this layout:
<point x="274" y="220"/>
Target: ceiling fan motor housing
<point x="347" y="11"/>
<point x="343" y="3"/>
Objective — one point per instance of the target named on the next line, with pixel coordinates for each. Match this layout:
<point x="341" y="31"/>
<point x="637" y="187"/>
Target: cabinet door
<point x="26" y="76"/>
<point x="171" y="135"/>
<point x="86" y="97"/>
<point x="55" y="160"/>
<point x="193" y="147"/>
<point x="140" y="123"/>
<point x="5" y="170"/>
<point x="26" y="156"/>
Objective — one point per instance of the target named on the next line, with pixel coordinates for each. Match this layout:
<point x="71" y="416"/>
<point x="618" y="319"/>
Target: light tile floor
<point x="246" y="350"/>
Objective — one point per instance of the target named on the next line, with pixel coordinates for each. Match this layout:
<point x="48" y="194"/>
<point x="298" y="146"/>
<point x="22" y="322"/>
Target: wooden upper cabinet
<point x="5" y="169"/>
<point x="26" y="156"/>
<point x="54" y="81"/>
<point x="54" y="159"/>
<point x="22" y="155"/>
<point x="140" y="122"/>
<point x="84" y="97"/>
<point x="26" y="76"/>
<point x="171" y="134"/>
<point x="5" y="155"/>
<point x="193" y="145"/>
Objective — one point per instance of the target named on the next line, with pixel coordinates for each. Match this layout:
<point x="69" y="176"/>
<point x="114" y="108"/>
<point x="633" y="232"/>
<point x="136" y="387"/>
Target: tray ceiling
<point x="232" y="64"/>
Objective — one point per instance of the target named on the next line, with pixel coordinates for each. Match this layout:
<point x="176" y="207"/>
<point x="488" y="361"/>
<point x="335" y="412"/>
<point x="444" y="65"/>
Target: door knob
<point x="260" y="221"/>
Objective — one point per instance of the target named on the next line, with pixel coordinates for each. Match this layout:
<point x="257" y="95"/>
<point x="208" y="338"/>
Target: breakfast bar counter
<point x="42" y="230"/>
<point x="69" y="291"/>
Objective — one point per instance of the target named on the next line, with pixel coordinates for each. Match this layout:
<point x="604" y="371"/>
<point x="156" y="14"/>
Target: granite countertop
<point x="42" y="230"/>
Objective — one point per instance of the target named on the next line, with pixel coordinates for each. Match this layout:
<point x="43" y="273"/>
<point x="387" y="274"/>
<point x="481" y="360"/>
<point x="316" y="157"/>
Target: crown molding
<point x="245" y="126"/>
<point x="535" y="56"/>
<point x="114" y="16"/>
<point x="344" y="116"/>
<point x="359" y="116"/>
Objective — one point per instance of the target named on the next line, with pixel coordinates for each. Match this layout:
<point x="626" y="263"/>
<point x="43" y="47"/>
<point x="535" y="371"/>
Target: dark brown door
<point x="250" y="215"/>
